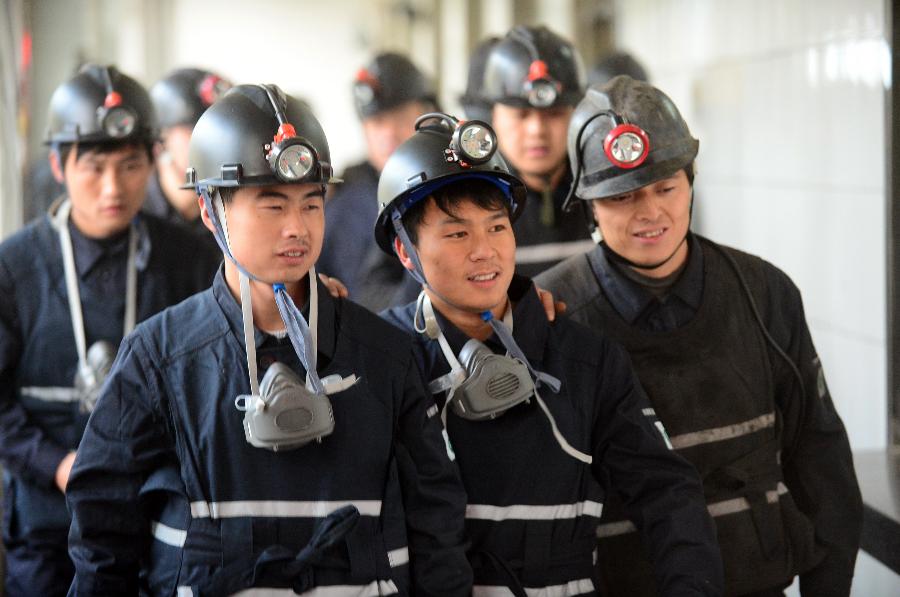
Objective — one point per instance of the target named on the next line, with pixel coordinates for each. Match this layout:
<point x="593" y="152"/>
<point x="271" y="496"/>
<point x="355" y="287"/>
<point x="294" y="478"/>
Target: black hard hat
<point x="238" y="141"/>
<point x="389" y="81"/>
<point x="431" y="159"/>
<point x="184" y="94"/>
<point x="615" y="64"/>
<point x="100" y="104"/>
<point x="530" y="67"/>
<point x="473" y="105"/>
<point x="656" y="141"/>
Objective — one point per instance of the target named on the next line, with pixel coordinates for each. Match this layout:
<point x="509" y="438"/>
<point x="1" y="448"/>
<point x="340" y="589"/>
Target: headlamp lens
<point x="542" y="94"/>
<point x="627" y="146"/>
<point x="294" y="162"/>
<point x="477" y="142"/>
<point x="119" y="122"/>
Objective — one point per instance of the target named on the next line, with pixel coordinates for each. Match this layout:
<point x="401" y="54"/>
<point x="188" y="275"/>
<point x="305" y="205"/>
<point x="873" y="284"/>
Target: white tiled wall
<point x="787" y="98"/>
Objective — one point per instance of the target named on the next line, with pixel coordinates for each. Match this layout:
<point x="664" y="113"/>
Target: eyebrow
<point x="451" y="219"/>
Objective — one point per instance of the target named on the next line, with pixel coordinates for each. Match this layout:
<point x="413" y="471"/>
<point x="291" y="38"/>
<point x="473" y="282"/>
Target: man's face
<point x="385" y="131"/>
<point x="648" y="225"/>
<point x="532" y="139"/>
<point x="276" y="231"/>
<point x="468" y="256"/>
<point x="106" y="189"/>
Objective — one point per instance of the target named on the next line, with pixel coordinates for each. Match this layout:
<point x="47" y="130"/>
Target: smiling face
<point x="648" y="226"/>
<point x="276" y="231"/>
<point x="107" y="188"/>
<point x="468" y="254"/>
<point x="533" y="140"/>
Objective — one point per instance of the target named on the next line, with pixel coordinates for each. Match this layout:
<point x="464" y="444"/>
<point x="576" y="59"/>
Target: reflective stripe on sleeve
<point x="398" y="557"/>
<point x="523" y="512"/>
<point x="167" y="534"/>
<point x="583" y="586"/>
<point x="374" y="589"/>
<point x="279" y="509"/>
<point x="51" y="393"/>
<point x="717" y="434"/>
<point x="723" y="508"/>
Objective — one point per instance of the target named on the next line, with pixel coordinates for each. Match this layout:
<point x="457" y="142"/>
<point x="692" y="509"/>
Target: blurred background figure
<point x="390" y="93"/>
<point x="615" y="64"/>
<point x="528" y="82"/>
<point x="180" y="98"/>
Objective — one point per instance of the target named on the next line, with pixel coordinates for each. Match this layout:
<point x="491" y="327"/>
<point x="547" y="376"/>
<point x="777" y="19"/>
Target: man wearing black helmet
<point x="180" y="98"/>
<point x="262" y="437"/>
<point x="69" y="281"/>
<point x="544" y="419"/>
<point x="529" y="81"/>
<point x="721" y="344"/>
<point x="389" y="94"/>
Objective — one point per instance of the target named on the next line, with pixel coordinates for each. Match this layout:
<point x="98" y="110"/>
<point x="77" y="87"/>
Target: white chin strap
<point x="61" y="223"/>
<point x="457" y="375"/>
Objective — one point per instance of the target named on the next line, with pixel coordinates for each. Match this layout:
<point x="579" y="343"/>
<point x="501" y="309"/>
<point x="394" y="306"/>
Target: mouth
<point x="293" y="254"/>
<point x="484" y="279"/>
<point x="650" y="234"/>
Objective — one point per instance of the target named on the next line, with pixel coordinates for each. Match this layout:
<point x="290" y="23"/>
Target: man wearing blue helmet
<point x="262" y="437"/>
<point x="545" y="420"/>
<point x="74" y="282"/>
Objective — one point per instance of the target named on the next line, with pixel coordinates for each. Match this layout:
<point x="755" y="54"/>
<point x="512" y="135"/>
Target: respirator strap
<point x="418" y="273"/>
<point x="61" y="223"/>
<point x="505" y="335"/>
<point x="452" y="380"/>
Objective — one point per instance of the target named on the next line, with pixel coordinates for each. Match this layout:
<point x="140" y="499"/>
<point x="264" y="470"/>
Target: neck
<point x="468" y="322"/>
<point x="544" y="182"/>
<point x="265" y="311"/>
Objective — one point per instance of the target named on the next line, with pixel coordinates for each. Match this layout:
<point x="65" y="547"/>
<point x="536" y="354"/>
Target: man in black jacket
<point x="720" y="343"/>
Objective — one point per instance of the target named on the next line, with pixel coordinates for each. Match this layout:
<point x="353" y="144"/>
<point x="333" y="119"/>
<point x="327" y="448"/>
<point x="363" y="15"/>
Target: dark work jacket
<point x="374" y="279"/>
<point x="534" y="507"/>
<point x="158" y="205"/>
<point x="774" y="455"/>
<point x="545" y="234"/>
<point x="166" y="492"/>
<point x="37" y="344"/>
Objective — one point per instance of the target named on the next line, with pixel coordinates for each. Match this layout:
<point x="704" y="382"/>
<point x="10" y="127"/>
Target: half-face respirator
<point x="493" y="383"/>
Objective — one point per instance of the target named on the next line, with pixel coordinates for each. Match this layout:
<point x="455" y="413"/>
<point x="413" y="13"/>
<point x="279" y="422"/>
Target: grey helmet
<point x="530" y="67"/>
<point x="390" y="80"/>
<point x="183" y="95"/>
<point x="257" y="135"/>
<point x="615" y="64"/>
<point x="434" y="156"/>
<point x="625" y="135"/>
<point x="98" y="105"/>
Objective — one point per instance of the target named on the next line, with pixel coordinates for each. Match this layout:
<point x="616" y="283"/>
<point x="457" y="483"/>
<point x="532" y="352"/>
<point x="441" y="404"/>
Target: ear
<point x="56" y="166"/>
<point x="403" y="255"/>
<point x="204" y="215"/>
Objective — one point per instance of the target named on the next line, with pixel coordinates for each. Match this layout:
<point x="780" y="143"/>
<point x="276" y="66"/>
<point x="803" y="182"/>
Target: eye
<point x="456" y="234"/>
<point x="666" y="190"/>
<point x="498" y="228"/>
<point x="620" y="198"/>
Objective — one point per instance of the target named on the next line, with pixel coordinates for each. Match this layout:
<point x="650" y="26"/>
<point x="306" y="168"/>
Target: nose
<point x="295" y="222"/>
<point x="535" y="123"/>
<point x="110" y="182"/>
<point x="648" y="206"/>
<point x="480" y="247"/>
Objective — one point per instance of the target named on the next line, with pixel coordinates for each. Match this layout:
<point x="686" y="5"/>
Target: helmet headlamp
<point x="115" y="119"/>
<point x="475" y="142"/>
<point x="291" y="157"/>
<point x="626" y="146"/>
<point x="541" y="89"/>
<point x="211" y="88"/>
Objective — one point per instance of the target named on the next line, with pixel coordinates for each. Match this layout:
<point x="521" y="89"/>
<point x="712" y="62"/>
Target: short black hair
<point x="689" y="172"/>
<point x="102" y="147"/>
<point x="482" y="193"/>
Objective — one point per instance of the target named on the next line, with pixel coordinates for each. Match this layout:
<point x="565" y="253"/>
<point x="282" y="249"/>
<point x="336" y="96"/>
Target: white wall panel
<point x="788" y="101"/>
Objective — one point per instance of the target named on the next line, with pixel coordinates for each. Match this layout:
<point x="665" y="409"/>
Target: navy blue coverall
<point x="533" y="510"/>
<point x="37" y="350"/>
<point x="166" y="493"/>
